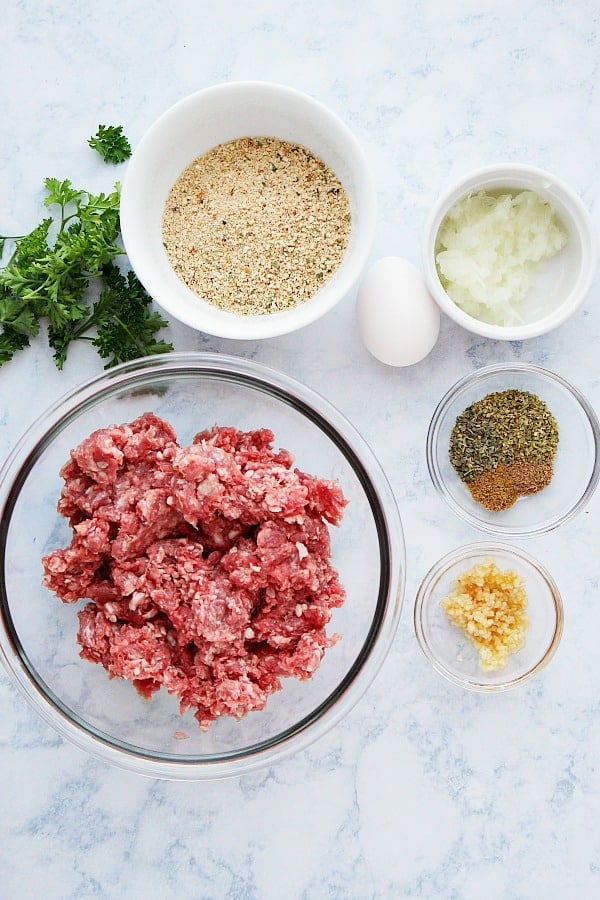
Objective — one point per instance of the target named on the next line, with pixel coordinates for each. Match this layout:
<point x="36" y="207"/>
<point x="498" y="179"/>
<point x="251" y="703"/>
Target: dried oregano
<point x="503" y="446"/>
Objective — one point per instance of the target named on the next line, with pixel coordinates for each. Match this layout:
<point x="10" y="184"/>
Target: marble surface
<point x="424" y="790"/>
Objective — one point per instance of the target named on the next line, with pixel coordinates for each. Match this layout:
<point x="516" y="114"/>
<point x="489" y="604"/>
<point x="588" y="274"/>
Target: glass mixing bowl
<point x="108" y="718"/>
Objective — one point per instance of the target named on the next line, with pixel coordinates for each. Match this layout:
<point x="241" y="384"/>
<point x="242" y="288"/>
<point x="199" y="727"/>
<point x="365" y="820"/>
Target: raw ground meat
<point x="207" y="568"/>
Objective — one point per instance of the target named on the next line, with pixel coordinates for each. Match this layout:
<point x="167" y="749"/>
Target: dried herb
<point x="503" y="447"/>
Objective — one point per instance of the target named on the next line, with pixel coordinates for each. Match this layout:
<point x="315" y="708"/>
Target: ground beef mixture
<point x="208" y="567"/>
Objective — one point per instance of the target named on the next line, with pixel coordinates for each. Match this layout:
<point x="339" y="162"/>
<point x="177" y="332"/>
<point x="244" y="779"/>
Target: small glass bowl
<point x="448" y="648"/>
<point x="576" y="465"/>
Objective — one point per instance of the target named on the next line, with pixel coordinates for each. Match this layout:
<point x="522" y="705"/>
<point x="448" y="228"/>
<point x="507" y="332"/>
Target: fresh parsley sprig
<point x="50" y="274"/>
<point x="124" y="326"/>
<point x="111" y="143"/>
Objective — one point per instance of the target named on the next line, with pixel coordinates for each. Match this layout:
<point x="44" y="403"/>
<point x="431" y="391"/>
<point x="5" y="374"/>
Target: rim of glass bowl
<point x="391" y="585"/>
<point x="484" y="548"/>
<point x="433" y="434"/>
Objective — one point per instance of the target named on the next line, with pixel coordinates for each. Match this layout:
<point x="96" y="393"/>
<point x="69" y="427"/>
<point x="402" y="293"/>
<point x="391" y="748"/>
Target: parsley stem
<point x="128" y="330"/>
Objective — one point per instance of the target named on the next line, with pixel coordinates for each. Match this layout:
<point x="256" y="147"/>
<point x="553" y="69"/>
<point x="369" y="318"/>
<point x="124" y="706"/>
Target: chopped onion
<point x="489" y="248"/>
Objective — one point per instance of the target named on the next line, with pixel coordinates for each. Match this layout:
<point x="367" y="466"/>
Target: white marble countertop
<point x="424" y="790"/>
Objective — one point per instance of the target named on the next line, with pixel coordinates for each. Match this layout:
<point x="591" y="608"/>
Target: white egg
<point x="398" y="319"/>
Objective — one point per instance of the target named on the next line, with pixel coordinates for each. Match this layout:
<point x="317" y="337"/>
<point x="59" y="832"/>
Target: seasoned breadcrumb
<point x="256" y="225"/>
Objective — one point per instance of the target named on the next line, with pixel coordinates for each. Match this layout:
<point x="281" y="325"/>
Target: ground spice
<point x="256" y="225"/>
<point x="500" y="488"/>
<point x="503" y="447"/>
<point x="490" y="605"/>
<point x="529" y="477"/>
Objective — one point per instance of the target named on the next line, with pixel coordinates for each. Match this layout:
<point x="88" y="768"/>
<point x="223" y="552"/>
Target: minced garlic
<point x="490" y="606"/>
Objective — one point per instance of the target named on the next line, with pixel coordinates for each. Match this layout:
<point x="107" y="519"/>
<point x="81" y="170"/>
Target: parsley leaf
<point x="60" y="192"/>
<point x="126" y="328"/>
<point x="111" y="143"/>
<point x="52" y="280"/>
<point x="10" y="342"/>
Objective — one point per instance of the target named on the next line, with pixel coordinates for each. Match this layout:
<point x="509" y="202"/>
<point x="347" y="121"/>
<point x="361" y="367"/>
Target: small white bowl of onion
<point x="509" y="252"/>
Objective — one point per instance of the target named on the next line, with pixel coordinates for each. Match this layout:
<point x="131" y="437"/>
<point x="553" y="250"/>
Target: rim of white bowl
<point x="580" y="218"/>
<point x="441" y="411"/>
<point x="391" y="587"/>
<point x="221" y="322"/>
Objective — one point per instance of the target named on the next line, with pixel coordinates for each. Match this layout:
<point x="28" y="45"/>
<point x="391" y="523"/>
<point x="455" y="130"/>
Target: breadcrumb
<point x="256" y="225"/>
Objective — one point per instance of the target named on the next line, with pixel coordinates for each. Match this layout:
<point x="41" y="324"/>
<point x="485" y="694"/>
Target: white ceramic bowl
<point x="564" y="281"/>
<point x="192" y="127"/>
